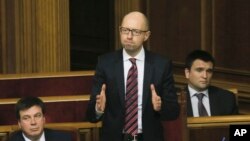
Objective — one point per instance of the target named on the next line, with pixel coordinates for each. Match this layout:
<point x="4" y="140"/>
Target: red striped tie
<point x="131" y="102"/>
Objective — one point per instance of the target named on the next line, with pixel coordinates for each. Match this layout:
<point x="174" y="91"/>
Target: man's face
<point x="199" y="75"/>
<point x="32" y="122"/>
<point x="133" y="42"/>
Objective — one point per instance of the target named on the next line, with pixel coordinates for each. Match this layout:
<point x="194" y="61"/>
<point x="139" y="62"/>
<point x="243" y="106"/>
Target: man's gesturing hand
<point x="101" y="99"/>
<point x="156" y="100"/>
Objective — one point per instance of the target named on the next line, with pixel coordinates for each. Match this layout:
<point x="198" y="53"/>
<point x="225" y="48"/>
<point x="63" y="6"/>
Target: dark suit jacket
<point x="109" y="71"/>
<point x="50" y="135"/>
<point x="222" y="102"/>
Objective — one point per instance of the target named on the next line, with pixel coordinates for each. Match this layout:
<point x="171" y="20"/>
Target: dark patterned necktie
<point x="131" y="102"/>
<point x="201" y="108"/>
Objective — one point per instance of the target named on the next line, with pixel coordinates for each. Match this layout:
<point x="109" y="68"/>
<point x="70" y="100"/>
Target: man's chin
<point x="203" y="87"/>
<point x="35" y="132"/>
<point x="129" y="48"/>
<point x="34" y="135"/>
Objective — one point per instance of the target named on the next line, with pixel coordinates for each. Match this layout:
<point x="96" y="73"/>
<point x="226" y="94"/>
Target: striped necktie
<point x="131" y="102"/>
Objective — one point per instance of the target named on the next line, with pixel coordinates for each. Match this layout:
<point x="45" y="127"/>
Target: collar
<point x="192" y="91"/>
<point x="42" y="138"/>
<point x="140" y="56"/>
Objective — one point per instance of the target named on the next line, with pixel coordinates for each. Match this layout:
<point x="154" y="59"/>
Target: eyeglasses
<point x="135" y="32"/>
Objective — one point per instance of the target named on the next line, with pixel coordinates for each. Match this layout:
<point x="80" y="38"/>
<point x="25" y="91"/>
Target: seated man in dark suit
<point x="31" y="120"/>
<point x="203" y="99"/>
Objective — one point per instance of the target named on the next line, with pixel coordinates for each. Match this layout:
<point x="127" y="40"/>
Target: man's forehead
<point x="136" y="22"/>
<point x="32" y="110"/>
<point x="201" y="63"/>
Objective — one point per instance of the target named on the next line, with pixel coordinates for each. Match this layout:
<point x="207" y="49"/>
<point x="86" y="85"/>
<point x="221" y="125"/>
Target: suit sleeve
<point x="98" y="80"/>
<point x="170" y="107"/>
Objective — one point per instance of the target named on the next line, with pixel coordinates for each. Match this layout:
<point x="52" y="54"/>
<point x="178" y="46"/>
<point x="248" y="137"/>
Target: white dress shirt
<point x="140" y="60"/>
<point x="194" y="101"/>
<point x="42" y="138"/>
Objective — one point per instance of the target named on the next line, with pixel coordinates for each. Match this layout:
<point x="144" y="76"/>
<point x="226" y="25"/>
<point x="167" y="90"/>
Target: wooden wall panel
<point x="175" y="27"/>
<point x="2" y="31"/>
<point x="7" y="23"/>
<point x="231" y="44"/>
<point x="34" y="36"/>
<point x="220" y="27"/>
<point x="232" y="34"/>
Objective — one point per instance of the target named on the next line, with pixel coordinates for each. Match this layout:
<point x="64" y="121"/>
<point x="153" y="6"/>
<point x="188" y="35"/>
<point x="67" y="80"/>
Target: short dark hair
<point x="198" y="54"/>
<point x="26" y="103"/>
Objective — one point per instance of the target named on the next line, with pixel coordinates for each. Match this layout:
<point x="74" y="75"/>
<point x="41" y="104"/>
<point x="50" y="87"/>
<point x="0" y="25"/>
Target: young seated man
<point x="31" y="120"/>
<point x="203" y="99"/>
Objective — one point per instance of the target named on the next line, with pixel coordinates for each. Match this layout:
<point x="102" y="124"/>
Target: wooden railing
<point x="48" y="99"/>
<point x="79" y="82"/>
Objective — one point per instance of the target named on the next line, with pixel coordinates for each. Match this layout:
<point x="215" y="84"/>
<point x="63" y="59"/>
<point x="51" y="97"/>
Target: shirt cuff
<point x="98" y="113"/>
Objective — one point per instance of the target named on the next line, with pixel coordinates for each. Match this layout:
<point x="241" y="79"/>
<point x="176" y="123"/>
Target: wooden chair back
<point x="176" y="130"/>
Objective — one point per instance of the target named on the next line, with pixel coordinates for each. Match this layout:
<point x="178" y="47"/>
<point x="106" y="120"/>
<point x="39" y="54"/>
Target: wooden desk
<point x="213" y="128"/>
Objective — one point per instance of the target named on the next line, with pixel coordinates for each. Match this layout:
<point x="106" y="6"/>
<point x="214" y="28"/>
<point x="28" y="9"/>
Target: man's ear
<point x="187" y="71"/>
<point x="147" y="34"/>
<point x="19" y="124"/>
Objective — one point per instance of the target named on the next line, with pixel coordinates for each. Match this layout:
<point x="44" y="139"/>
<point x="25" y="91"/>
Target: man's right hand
<point x="101" y="99"/>
<point x="156" y="100"/>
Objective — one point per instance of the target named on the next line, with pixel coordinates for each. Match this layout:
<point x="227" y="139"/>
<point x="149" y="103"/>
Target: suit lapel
<point x="189" y="105"/>
<point x="120" y="77"/>
<point x="148" y="72"/>
<point x="20" y="136"/>
<point x="213" y="104"/>
<point x="46" y="134"/>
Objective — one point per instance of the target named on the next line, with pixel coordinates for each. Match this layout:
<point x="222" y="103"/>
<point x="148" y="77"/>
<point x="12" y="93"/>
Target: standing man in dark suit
<point x="30" y="114"/>
<point x="215" y="101"/>
<point x="153" y="89"/>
